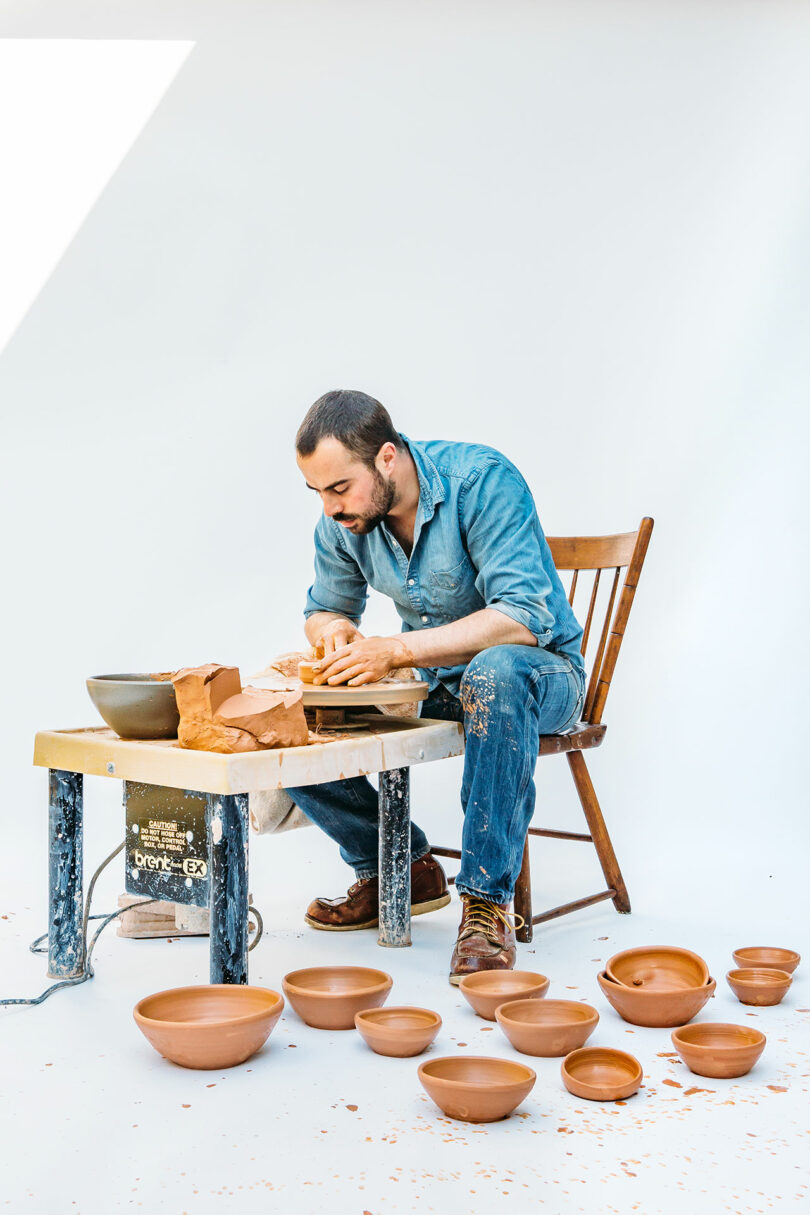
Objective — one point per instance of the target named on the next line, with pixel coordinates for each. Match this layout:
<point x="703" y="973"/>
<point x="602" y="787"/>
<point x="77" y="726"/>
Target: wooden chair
<point x="581" y="554"/>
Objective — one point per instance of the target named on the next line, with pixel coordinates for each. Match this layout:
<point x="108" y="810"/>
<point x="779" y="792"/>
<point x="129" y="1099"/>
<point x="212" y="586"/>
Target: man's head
<point x="347" y="449"/>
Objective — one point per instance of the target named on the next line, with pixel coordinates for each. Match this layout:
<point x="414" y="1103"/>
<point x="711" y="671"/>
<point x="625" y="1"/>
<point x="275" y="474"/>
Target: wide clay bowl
<point x="660" y="1009"/>
<point x="327" y="997"/>
<point x="474" y="1088"/>
<point x="212" y="1026"/>
<point x="714" y="1049"/>
<point x="398" y="1032"/>
<point x="547" y="1027"/>
<point x="488" y="989"/>
<point x="600" y="1074"/>
<point x="765" y="957"/>
<point x="136" y="706"/>
<point x="658" y="968"/>
<point x="754" y="985"/>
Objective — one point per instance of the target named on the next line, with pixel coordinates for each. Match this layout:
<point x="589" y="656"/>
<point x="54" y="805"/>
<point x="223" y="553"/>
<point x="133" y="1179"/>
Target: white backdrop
<point x="575" y="231"/>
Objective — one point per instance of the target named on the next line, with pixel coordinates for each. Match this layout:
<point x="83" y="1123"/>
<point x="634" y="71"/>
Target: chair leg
<point x="523" y="897"/>
<point x="598" y="830"/>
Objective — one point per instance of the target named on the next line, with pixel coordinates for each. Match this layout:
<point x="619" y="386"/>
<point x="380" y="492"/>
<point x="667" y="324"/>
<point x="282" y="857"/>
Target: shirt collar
<point x="431" y="489"/>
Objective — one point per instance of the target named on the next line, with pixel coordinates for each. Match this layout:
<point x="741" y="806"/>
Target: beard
<point x="383" y="497"/>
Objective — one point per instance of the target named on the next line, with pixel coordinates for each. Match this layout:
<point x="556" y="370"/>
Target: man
<point x="450" y="533"/>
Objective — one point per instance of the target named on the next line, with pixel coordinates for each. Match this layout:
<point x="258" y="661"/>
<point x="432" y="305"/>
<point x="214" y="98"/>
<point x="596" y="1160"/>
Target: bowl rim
<point x="791" y="955"/>
<point x="678" y="1041"/>
<point x="503" y="1017"/>
<point x="127" y="678"/>
<point x="647" y="993"/>
<point x="369" y="1016"/>
<point x="638" y="949"/>
<point x="472" y="982"/>
<point x="289" y="984"/>
<point x="424" y="1069"/>
<point x="638" y="1070"/>
<point x="245" y="1019"/>
<point x="759" y="976"/>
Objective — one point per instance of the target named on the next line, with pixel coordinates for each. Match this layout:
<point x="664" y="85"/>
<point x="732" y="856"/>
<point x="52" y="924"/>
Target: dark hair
<point x="356" y="420"/>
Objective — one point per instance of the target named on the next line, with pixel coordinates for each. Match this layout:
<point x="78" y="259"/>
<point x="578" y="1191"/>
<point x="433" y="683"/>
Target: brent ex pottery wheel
<point x="327" y="997"/>
<point x="398" y="1032"/>
<point x="718" y="1050"/>
<point x="212" y="1026"/>
<point x="474" y="1088"/>
<point x="488" y="989"/>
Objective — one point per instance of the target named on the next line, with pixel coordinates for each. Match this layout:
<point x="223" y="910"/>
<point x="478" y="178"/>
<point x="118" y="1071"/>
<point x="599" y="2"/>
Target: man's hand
<point x="335" y="635"/>
<point x="363" y="661"/>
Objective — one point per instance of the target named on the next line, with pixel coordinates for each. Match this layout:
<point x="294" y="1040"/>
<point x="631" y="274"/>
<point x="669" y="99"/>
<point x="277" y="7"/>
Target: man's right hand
<point x="335" y="635"/>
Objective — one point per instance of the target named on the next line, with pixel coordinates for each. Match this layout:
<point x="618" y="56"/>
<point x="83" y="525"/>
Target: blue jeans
<point x="510" y="695"/>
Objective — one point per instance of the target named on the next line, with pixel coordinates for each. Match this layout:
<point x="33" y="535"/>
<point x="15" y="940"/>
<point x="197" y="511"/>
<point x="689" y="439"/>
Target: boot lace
<point x="483" y="916"/>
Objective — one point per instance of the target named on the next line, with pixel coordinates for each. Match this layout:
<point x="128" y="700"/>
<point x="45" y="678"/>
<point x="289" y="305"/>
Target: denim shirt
<point x="477" y="543"/>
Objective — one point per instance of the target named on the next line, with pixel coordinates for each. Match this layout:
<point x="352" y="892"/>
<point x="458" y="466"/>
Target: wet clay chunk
<point x="201" y="690"/>
<point x="276" y="719"/>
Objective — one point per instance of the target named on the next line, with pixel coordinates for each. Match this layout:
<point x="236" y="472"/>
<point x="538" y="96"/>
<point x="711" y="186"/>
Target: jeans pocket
<point x="575" y="716"/>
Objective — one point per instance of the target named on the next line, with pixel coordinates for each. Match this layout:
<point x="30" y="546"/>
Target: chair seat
<point x="579" y="739"/>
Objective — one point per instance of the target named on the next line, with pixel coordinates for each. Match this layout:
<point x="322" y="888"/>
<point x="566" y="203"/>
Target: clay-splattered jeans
<point x="510" y="695"/>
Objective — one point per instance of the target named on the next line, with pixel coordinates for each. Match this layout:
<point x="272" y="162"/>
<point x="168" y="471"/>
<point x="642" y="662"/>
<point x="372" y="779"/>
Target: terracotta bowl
<point x="398" y="1032"/>
<point x="474" y="1088"/>
<point x="488" y="989"/>
<point x="657" y="968"/>
<point x="212" y="1026"/>
<point x="757" y="986"/>
<point x="547" y="1027"/>
<point x="661" y="1009"/>
<point x="600" y="1074"/>
<point x="136" y="706"/>
<point x="763" y="957"/>
<point x="327" y="997"/>
<point x="714" y="1049"/>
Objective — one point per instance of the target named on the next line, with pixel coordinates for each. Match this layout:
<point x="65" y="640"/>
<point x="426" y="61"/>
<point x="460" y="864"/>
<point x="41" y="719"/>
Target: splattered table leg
<point x="395" y="857"/>
<point x="228" y="852"/>
<point x="65" y="893"/>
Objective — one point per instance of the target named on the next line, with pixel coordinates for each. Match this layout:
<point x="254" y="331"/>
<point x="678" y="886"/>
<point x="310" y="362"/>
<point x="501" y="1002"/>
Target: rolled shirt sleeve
<point x="507" y="547"/>
<point x="339" y="585"/>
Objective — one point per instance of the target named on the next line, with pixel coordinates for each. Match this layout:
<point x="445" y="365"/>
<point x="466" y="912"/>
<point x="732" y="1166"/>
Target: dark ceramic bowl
<point x="136" y="706"/>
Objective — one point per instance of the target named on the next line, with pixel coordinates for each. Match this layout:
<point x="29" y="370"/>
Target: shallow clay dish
<point x="488" y="989"/>
<point x="661" y="1009"/>
<point x="212" y="1026"/>
<point x="657" y="968"/>
<point x="600" y="1074"/>
<point x="764" y="957"/>
<point x="718" y="1050"/>
<point x="136" y="706"/>
<point x="754" y="985"/>
<point x="550" y="1028"/>
<point x="327" y="997"/>
<point x="398" y="1032"/>
<point x="474" y="1088"/>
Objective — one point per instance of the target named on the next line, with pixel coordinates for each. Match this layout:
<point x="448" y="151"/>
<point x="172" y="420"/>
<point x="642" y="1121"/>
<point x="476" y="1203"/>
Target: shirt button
<point x="411" y="581"/>
<point x="424" y="620"/>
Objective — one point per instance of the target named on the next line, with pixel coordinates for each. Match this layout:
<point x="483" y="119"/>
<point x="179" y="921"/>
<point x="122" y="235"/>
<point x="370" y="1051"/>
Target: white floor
<point x="94" y="1121"/>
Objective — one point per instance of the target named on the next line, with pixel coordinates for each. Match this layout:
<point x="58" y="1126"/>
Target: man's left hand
<point x="363" y="661"/>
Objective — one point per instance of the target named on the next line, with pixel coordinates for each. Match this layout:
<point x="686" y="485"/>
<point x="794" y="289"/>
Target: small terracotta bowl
<point x="657" y="968"/>
<point x="762" y="957"/>
<point x="758" y="986"/>
<point x="718" y="1050"/>
<point x="398" y="1032"/>
<point x="600" y="1074"/>
<point x="488" y="989"/>
<point x="660" y="1009"/>
<point x="474" y="1088"/>
<point x="212" y="1026"/>
<point x="327" y="997"/>
<point x="551" y="1028"/>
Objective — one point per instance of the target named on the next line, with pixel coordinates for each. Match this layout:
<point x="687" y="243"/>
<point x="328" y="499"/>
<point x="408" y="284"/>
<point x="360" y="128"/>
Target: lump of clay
<point x="276" y="719"/>
<point x="201" y="690"/>
<point x="306" y="670"/>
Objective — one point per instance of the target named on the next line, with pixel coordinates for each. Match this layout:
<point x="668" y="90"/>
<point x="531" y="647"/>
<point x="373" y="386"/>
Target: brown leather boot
<point x="360" y="906"/>
<point x="486" y="938"/>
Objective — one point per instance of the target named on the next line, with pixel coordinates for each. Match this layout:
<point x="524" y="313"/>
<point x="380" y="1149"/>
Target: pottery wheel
<point x="385" y="692"/>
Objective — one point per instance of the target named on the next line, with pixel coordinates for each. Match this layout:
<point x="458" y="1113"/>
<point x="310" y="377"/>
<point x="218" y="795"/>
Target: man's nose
<point x="330" y="506"/>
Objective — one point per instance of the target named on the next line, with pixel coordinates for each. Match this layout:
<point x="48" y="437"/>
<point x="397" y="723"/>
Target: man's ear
<point x="384" y="460"/>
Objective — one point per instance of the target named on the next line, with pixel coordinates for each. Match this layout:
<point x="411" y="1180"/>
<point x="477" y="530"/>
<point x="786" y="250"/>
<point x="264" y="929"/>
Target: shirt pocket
<point x="452" y="591"/>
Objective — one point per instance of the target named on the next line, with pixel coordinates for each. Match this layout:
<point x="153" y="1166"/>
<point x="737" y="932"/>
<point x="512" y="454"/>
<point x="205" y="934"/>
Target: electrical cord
<point x="87" y="971"/>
